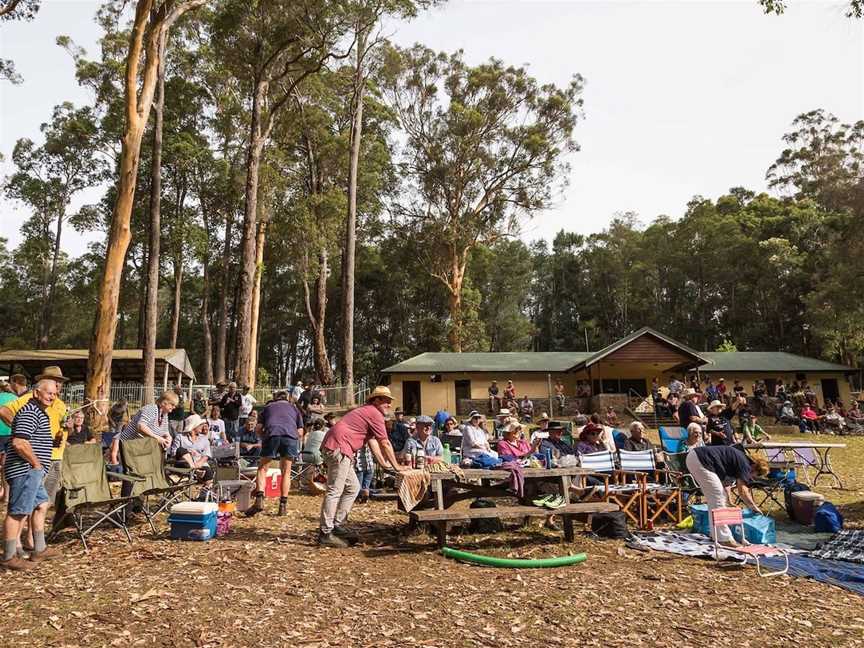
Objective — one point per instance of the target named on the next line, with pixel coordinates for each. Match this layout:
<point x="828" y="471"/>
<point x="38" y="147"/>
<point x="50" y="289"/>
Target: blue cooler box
<point x="759" y="529"/>
<point x="193" y="521"/>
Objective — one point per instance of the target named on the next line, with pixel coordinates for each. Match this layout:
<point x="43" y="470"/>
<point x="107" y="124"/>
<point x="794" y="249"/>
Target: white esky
<point x="681" y="98"/>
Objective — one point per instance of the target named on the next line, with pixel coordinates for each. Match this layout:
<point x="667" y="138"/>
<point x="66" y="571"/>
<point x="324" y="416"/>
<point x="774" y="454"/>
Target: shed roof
<point x="126" y="364"/>
<point x="766" y="361"/>
<point x="434" y="363"/>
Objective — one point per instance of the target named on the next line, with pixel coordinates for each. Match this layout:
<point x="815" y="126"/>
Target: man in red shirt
<point x="360" y="426"/>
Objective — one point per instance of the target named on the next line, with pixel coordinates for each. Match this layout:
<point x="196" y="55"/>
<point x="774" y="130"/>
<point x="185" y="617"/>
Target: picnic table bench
<point x="449" y="489"/>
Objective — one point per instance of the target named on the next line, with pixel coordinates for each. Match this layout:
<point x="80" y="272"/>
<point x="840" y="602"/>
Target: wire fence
<point x="332" y="397"/>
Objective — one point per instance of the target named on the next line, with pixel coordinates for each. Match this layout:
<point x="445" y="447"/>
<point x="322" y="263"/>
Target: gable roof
<point x="766" y="361"/>
<point x="545" y="361"/>
<point x="645" y="330"/>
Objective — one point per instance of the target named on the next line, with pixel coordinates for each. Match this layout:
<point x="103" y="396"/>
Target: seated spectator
<point x="79" y="431"/>
<point x="559" y="396"/>
<point x="612" y="417"/>
<point x="510" y="392"/>
<point x="526" y="408"/>
<point x="192" y="448"/>
<point x="542" y="431"/>
<point x="555" y="443"/>
<point x="199" y="403"/>
<point x="752" y="431"/>
<point x="315" y="410"/>
<point x="854" y="416"/>
<point x="737" y="388"/>
<point x="809" y="419"/>
<point x="423" y="439"/>
<point x="329" y="420"/>
<point x="512" y="447"/>
<point x="787" y="416"/>
<point x="312" y="443"/>
<point x="399" y="431"/>
<point x="607" y="436"/>
<point x="217" y="427"/>
<point x="695" y="437"/>
<point x="637" y="440"/>
<point x="832" y="421"/>
<point x="780" y="390"/>
<point x="250" y="442"/>
<point x="590" y="439"/>
<point x="502" y="420"/>
<point x="494" y="398"/>
<point x="474" y="439"/>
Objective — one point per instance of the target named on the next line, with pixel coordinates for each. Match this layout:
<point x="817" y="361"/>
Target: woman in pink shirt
<point x="512" y="446"/>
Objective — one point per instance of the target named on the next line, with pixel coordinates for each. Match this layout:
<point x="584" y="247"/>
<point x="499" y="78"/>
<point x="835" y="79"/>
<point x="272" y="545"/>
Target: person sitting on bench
<point x="511" y="447"/>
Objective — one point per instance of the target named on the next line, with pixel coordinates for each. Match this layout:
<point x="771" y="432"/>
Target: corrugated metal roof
<point x="74" y="361"/>
<point x="489" y="362"/>
<point x="767" y="361"/>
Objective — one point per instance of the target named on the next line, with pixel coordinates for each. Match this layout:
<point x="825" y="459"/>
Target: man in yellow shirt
<point x="56" y="414"/>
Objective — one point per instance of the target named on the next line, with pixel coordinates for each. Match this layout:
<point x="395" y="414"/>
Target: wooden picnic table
<point x="448" y="489"/>
<point x="821" y="451"/>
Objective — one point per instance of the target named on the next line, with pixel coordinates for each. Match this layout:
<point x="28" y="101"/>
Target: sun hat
<point x="424" y="420"/>
<point x="504" y="412"/>
<point x="715" y="403"/>
<point x="52" y="373"/>
<point x="191" y="422"/>
<point x="379" y="392"/>
<point x="690" y="392"/>
<point x="512" y="426"/>
<point x="474" y="414"/>
<point x="544" y="416"/>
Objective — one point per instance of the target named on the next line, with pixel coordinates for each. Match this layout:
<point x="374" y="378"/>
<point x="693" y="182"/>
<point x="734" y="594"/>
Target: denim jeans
<point x="232" y="429"/>
<point x="365" y="478"/>
<point x="27" y="492"/>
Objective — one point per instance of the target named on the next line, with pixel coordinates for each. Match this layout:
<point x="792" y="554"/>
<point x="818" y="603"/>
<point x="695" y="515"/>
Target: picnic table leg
<point x="568" y="528"/>
<point x="825" y="468"/>
<point x="565" y="488"/>
<point x="439" y="494"/>
<point x="441" y="532"/>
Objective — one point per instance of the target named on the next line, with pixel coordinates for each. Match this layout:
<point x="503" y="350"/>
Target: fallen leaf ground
<point x="268" y="584"/>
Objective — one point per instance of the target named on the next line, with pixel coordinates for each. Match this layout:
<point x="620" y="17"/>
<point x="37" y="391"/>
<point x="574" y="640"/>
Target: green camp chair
<point x="680" y="476"/>
<point x="84" y="490"/>
<point x="144" y="459"/>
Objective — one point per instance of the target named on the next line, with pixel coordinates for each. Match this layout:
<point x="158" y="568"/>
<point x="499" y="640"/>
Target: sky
<point x="681" y="98"/>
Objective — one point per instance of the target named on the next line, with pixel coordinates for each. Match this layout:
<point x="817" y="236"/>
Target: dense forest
<point x="304" y="188"/>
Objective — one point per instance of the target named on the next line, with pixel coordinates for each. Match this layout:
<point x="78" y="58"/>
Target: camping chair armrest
<point x="602" y="476"/>
<point x="179" y="471"/>
<point x="129" y="477"/>
<point x="639" y="477"/>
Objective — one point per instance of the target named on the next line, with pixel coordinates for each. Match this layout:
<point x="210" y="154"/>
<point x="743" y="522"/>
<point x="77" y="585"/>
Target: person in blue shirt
<point x="399" y="433"/>
<point x="441" y="417"/>
<point x="423" y="438"/>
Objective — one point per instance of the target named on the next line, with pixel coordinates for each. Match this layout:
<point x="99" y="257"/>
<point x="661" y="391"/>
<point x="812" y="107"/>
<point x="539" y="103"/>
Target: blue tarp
<point x="834" y="572"/>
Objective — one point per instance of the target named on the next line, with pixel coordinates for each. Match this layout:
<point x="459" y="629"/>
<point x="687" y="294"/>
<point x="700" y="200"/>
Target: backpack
<point x="790" y="488"/>
<point x="484" y="525"/>
<point x="610" y="525"/>
<point x="828" y="519"/>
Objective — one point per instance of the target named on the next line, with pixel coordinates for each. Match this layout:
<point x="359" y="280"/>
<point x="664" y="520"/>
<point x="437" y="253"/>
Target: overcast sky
<point x="681" y="98"/>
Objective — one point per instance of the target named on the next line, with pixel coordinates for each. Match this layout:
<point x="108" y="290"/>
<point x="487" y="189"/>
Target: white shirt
<point x="247" y="402"/>
<point x="295" y="393"/>
<point x="474" y="442"/>
<point x="217" y="431"/>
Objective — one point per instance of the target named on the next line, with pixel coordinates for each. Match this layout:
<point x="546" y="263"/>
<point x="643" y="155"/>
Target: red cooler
<point x="273" y="483"/>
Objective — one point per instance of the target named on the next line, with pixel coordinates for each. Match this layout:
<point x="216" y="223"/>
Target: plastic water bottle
<point x="549" y="457"/>
<point x="420" y="459"/>
<point x="446" y="456"/>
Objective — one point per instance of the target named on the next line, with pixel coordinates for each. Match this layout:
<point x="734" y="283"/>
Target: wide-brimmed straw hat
<point x="191" y="422"/>
<point x="380" y="392"/>
<point x="690" y="392"/>
<point x="52" y="373"/>
<point x="715" y="403"/>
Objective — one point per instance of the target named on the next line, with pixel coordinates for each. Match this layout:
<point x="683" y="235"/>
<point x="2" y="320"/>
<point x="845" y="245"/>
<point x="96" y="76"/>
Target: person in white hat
<point x="688" y="410"/>
<point x="474" y="438"/>
<point x="192" y="448"/>
<point x="362" y="425"/>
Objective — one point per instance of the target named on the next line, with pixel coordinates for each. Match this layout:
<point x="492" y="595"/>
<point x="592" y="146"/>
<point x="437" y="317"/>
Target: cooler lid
<point x="195" y="508"/>
<point x="807" y="495"/>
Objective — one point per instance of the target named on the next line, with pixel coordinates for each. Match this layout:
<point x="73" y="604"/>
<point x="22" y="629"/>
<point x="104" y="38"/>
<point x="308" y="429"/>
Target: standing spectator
<point x="399" y="432"/>
<point x="56" y="411"/>
<point x="559" y="396"/>
<point x="281" y="429"/>
<point x="688" y="411"/>
<point x="526" y="408"/>
<point x="780" y="390"/>
<point x="79" y="431"/>
<point x="510" y="395"/>
<point x="364" y="466"/>
<point x="26" y="467"/>
<point x="711" y="393"/>
<point x="199" y="403"/>
<point x="305" y="397"/>
<point x="151" y="420"/>
<point x="218" y="393"/>
<point x="737" y="388"/>
<point x="362" y="425"/>
<point x="16" y="386"/>
<point x="296" y="391"/>
<point x="721" y="388"/>
<point x="719" y="426"/>
<point x="494" y="398"/>
<point x="675" y="386"/>
<point x="247" y="404"/>
<point x="178" y="414"/>
<point x="315" y="410"/>
<point x="216" y="426"/>
<point x="230" y="405"/>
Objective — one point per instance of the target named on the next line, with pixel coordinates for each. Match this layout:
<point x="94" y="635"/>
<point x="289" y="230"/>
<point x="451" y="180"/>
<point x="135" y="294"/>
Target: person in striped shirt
<point x="27" y="463"/>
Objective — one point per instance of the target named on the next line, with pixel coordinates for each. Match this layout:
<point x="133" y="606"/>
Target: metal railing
<point x="642" y="406"/>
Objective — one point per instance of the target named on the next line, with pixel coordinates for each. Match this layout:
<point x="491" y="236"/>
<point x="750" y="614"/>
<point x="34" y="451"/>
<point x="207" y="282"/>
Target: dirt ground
<point x="268" y="584"/>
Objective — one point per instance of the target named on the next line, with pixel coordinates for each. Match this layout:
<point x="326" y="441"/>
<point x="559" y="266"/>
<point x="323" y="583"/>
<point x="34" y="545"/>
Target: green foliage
<point x="727" y="346"/>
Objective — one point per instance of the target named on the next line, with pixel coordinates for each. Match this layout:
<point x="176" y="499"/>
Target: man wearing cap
<point x="56" y="411"/>
<point x="474" y="439"/>
<point x="26" y="466"/>
<point x="16" y="386"/>
<point x="688" y="410"/>
<point x="280" y="426"/>
<point x="229" y="406"/>
<point x="399" y="431"/>
<point x="362" y="425"/>
<point x="423" y="439"/>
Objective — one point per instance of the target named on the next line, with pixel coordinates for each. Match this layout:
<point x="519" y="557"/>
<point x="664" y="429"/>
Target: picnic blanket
<point x="847" y="575"/>
<point x="694" y="545"/>
<point x="411" y="486"/>
<point x="846" y="545"/>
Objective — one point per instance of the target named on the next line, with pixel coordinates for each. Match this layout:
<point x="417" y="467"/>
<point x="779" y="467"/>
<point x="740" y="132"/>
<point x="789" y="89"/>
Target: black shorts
<point x="280" y="447"/>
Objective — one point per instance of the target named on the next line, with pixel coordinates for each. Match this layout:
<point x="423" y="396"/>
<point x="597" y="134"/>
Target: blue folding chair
<point x="674" y="440"/>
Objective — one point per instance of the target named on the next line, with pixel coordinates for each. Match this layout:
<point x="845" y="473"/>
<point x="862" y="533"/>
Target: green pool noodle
<point x="516" y="563"/>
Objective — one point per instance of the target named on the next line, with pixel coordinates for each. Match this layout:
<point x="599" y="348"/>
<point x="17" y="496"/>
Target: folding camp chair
<point x="657" y="498"/>
<point x="628" y="496"/>
<point x="733" y="517"/>
<point x="144" y="458"/>
<point x="84" y="489"/>
<point x="677" y="471"/>
<point x="673" y="440"/>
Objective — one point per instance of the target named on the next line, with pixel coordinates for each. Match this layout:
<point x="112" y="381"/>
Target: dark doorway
<point x="411" y="397"/>
<point x="771" y="386"/>
<point x="638" y="385"/>
<point x="463" y="391"/>
<point x="830" y="390"/>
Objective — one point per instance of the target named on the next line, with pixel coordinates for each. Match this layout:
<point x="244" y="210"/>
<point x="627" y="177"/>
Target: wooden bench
<point x="440" y="518"/>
